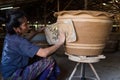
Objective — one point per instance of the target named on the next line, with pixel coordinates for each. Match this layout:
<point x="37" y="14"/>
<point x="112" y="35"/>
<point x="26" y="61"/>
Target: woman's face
<point x="23" y="27"/>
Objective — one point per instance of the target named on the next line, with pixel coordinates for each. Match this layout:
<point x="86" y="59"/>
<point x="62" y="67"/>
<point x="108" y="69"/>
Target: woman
<point x="17" y="51"/>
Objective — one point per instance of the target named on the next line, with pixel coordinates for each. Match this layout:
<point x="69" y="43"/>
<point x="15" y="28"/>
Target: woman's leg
<point x="55" y="72"/>
<point x="46" y="73"/>
<point x="34" y="70"/>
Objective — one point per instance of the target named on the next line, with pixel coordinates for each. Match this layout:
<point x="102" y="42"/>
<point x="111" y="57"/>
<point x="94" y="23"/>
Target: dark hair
<point x="12" y="20"/>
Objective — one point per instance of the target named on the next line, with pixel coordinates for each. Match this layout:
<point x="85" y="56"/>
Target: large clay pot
<point x="92" y="30"/>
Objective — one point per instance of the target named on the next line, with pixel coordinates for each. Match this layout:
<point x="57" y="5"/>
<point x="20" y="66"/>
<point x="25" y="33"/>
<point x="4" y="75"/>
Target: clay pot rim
<point x="78" y="12"/>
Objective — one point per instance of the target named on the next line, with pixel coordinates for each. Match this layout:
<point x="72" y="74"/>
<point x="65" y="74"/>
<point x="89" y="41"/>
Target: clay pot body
<point x="92" y="30"/>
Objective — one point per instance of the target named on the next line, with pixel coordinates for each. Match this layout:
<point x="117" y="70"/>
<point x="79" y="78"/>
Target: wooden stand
<point x="83" y="60"/>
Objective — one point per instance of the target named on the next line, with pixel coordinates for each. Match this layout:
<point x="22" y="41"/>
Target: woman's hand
<point x="61" y="37"/>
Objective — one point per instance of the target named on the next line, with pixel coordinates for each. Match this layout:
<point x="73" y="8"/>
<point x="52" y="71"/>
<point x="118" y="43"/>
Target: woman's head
<point x="16" y="22"/>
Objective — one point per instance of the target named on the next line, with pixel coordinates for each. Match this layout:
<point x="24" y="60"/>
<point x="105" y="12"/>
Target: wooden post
<point x="45" y="6"/>
<point x="86" y="3"/>
<point x="58" y="5"/>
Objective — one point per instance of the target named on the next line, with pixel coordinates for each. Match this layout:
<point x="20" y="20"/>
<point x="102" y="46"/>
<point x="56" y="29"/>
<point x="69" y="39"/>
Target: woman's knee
<point x="50" y="60"/>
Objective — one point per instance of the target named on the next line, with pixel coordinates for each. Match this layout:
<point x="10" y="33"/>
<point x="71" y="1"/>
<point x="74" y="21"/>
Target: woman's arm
<point x="44" y="52"/>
